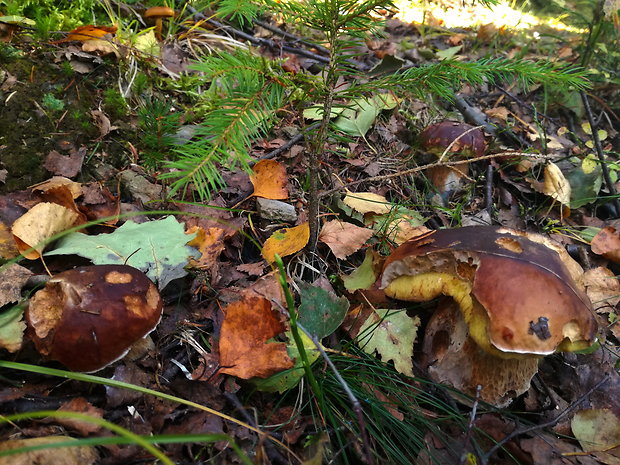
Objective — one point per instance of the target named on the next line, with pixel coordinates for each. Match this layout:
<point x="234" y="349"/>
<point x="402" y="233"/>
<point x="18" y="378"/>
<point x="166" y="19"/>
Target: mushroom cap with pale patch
<point x="517" y="291"/>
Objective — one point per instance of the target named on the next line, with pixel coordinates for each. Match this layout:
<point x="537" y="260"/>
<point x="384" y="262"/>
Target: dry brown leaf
<point x="103" y="123"/>
<point x="80" y="405"/>
<point x="556" y="185"/>
<point x="59" y="181"/>
<point x="104" y="47"/>
<point x="210" y="244"/>
<point x="8" y="248"/>
<point x="607" y="243"/>
<point x="65" y="165"/>
<point x="270" y="180"/>
<point x="88" y="32"/>
<point x="286" y="241"/>
<point x="244" y="351"/>
<point x="83" y="455"/>
<point x="367" y="202"/>
<point x="41" y="222"/>
<point x="602" y="287"/>
<point x="12" y="279"/>
<point x="344" y="238"/>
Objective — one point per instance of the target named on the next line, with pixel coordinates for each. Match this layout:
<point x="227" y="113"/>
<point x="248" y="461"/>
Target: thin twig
<point x="417" y="169"/>
<point x="470" y="427"/>
<point x="488" y="191"/>
<point x="484" y="459"/>
<point x="355" y="403"/>
<point x="288" y="35"/>
<point x="600" y="153"/>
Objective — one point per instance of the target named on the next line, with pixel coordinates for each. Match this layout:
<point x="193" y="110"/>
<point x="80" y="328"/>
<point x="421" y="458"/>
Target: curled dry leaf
<point x="210" y="244"/>
<point x="41" y="222"/>
<point x="270" y="180"/>
<point x="556" y="185"/>
<point x="607" y="243"/>
<point x="286" y="241"/>
<point x="344" y="238"/>
<point x="244" y="351"/>
<point x="56" y="182"/>
<point x="88" y="32"/>
<point x="82" y="455"/>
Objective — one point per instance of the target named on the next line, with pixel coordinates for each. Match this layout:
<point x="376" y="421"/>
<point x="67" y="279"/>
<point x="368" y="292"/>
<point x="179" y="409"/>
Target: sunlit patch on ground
<point x="453" y="14"/>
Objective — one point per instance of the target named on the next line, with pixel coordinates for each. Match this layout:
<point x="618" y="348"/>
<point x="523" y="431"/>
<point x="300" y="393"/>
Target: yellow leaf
<point x="556" y="185"/>
<point x="367" y="202"/>
<point x="269" y="180"/>
<point x="286" y="241"/>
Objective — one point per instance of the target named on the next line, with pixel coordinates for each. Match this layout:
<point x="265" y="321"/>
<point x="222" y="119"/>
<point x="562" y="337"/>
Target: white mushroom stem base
<point x="456" y="360"/>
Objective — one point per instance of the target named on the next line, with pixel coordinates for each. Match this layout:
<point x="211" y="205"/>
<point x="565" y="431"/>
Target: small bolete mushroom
<point x="516" y="291"/>
<point x="89" y="317"/>
<point x="156" y="14"/>
<point x="457" y="141"/>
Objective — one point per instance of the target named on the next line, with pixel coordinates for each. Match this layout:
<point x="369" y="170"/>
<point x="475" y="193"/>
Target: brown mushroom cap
<point x="159" y="12"/>
<point x="89" y="317"/>
<point x="515" y="292"/>
<point x="438" y="137"/>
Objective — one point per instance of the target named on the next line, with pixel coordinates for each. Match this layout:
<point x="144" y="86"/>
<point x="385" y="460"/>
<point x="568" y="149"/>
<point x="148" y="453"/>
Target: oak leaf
<point x="244" y="351"/>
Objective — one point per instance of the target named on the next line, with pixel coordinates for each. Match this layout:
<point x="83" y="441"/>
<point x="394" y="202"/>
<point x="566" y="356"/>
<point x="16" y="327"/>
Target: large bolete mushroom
<point x="89" y="317"/>
<point x="516" y="293"/>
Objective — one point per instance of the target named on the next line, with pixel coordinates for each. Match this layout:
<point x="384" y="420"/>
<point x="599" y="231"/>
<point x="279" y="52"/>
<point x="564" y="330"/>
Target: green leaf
<point x="391" y="333"/>
<point x="596" y="429"/>
<point x="449" y="52"/>
<point x="315" y="112"/>
<point x="12" y="328"/>
<point x="320" y="312"/>
<point x="361" y="114"/>
<point x="585" y="182"/>
<point x="364" y="276"/>
<point x="157" y="248"/>
<point x="288" y="379"/>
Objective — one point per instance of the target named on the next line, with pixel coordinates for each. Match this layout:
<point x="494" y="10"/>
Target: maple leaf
<point x="244" y="351"/>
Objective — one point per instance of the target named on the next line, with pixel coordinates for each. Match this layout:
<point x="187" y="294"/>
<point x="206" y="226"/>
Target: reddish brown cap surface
<point x="438" y="137"/>
<point x="531" y="302"/>
<point x="88" y="317"/>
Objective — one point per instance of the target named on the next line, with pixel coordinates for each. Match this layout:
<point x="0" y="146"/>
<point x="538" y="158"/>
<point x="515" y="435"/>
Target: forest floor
<point x="83" y="133"/>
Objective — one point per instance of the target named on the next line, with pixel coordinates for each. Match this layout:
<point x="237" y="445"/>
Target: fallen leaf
<point x="602" y="287"/>
<point x="209" y="243"/>
<point x="555" y="185"/>
<point x="8" y="248"/>
<point x="244" y="351"/>
<point x="364" y="276"/>
<point x="80" y="405"/>
<point x="597" y="430"/>
<point x="104" y="47"/>
<point x="344" y="238"/>
<point x="360" y="114"/>
<point x="607" y="243"/>
<point x="103" y="123"/>
<point x="38" y="224"/>
<point x="64" y="165"/>
<point x="320" y="312"/>
<point x="286" y="241"/>
<point x="269" y="180"/>
<point x="70" y="455"/>
<point x="88" y="32"/>
<point x="12" y="327"/>
<point x="12" y="279"/>
<point x="253" y="269"/>
<point x="367" y="202"/>
<point x="391" y="333"/>
<point x="158" y="248"/>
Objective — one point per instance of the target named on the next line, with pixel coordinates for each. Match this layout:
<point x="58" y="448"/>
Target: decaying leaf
<point x="269" y="180"/>
<point x="12" y="279"/>
<point x="12" y="328"/>
<point x="364" y="275"/>
<point x="556" y="185"/>
<point x="209" y="243"/>
<point x="367" y="202"/>
<point x="83" y="455"/>
<point x="40" y="223"/>
<point x="598" y="430"/>
<point x="344" y="238"/>
<point x="607" y="243"/>
<point x="320" y="312"/>
<point x="8" y="247"/>
<point x="391" y="333"/>
<point x="244" y="348"/>
<point x="286" y="241"/>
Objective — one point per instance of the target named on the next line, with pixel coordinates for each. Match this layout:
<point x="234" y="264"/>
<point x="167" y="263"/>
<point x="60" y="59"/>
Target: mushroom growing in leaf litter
<point x="89" y="317"/>
<point x="516" y="293"/>
<point x="451" y="141"/>
<point x="156" y="15"/>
